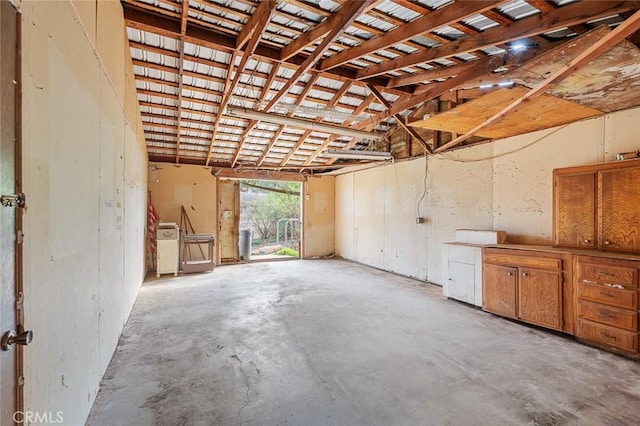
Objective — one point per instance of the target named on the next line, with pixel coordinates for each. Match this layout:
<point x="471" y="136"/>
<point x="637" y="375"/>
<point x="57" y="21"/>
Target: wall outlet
<point x="419" y="220"/>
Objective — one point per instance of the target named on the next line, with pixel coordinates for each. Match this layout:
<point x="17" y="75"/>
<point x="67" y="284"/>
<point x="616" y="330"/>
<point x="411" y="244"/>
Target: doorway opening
<point x="270" y="215"/>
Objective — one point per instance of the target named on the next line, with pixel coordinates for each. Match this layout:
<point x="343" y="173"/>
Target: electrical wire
<point x="424" y="190"/>
<point x="475" y="160"/>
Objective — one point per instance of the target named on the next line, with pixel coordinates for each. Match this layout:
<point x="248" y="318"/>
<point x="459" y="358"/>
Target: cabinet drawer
<point x="607" y="315"/>
<point x="624" y="277"/>
<point x="609" y="336"/>
<point x="523" y="261"/>
<point x="609" y="296"/>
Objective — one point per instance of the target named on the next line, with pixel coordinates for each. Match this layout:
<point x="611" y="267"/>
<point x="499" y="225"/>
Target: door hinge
<point x="13" y="200"/>
<point x="19" y="237"/>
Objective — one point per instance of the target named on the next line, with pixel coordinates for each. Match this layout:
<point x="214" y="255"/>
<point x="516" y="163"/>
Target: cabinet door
<point x="499" y="290"/>
<point x="575" y="210"/>
<point x="540" y="297"/>
<point x="461" y="281"/>
<point x="619" y="201"/>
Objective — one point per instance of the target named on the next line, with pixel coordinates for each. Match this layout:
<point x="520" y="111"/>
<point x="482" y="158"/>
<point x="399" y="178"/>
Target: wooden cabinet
<point x="529" y="286"/>
<point x="619" y="209"/>
<point x="540" y="297"/>
<point x="607" y="302"/>
<point x="499" y="292"/>
<point x="596" y="206"/>
<point x="575" y="210"/>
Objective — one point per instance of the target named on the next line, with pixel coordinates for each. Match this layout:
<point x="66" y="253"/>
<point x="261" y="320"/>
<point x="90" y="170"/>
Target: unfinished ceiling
<point x="208" y="71"/>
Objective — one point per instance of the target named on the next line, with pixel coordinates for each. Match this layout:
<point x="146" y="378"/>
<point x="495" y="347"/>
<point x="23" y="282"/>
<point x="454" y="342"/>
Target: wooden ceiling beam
<point x="146" y="20"/>
<point x="301" y="97"/>
<point x="509" y="61"/>
<point x="412" y="132"/>
<point x="359" y="110"/>
<point x="571" y="14"/>
<point x="482" y="67"/>
<point x="183" y="29"/>
<point x="343" y="90"/>
<point x="257" y="21"/>
<point x="340" y="21"/>
<point x="545" y="6"/>
<point x="263" y="94"/>
<point x="445" y="16"/>
<point x="305" y="39"/>
<point x="209" y="78"/>
<point x="597" y="48"/>
<point x="264" y="12"/>
<point x="433" y="74"/>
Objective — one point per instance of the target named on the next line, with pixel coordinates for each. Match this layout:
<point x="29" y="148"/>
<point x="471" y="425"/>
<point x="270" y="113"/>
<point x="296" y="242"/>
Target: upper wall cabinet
<point x="598" y="206"/>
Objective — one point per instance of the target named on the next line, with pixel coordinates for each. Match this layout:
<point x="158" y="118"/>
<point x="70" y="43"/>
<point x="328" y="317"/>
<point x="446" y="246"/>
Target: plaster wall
<point x="84" y="172"/>
<point x="172" y="186"/>
<point x="318" y="198"/>
<point x="504" y="185"/>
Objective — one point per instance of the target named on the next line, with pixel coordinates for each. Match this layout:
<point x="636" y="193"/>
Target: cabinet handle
<point x="587" y="241"/>
<point x="605" y="294"/>
<point x="605" y="314"/>
<point x="607" y="243"/>
<point x="524" y="274"/>
<point x="509" y="273"/>
<point x="620" y="286"/>
<point x="607" y="335"/>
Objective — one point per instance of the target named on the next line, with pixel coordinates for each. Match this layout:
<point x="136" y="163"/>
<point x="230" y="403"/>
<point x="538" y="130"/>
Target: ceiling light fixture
<point x="304" y="124"/>
<point x="357" y="154"/>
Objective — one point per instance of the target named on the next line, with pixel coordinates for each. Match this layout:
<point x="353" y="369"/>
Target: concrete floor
<point x="327" y="342"/>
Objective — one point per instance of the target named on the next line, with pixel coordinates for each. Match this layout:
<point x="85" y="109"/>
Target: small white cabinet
<point x="168" y="242"/>
<point x="462" y="272"/>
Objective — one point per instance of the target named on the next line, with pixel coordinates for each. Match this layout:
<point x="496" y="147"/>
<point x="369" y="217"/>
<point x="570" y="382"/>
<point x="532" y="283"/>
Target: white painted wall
<point x="376" y="212"/>
<point x="85" y="176"/>
<point x="505" y="185"/>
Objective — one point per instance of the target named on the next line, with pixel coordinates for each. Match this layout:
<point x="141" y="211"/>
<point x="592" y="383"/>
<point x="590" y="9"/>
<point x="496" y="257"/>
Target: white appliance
<point x="168" y="248"/>
<point x="462" y="264"/>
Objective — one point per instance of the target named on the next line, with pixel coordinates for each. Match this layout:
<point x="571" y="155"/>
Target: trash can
<point x="245" y="244"/>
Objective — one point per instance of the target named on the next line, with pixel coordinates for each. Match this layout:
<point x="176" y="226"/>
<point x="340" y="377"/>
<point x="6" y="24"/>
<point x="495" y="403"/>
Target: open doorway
<point x="270" y="215"/>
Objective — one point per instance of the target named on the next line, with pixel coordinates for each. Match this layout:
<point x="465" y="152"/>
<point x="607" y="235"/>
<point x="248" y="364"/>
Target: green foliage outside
<point x="274" y="200"/>
<point x="287" y="251"/>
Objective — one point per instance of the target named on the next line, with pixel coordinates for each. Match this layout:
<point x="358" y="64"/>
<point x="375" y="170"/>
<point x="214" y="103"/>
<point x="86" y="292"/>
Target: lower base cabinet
<point x="528" y="286"/>
<point x="537" y="287"/>
<point x="500" y="288"/>
<point x="607" y="302"/>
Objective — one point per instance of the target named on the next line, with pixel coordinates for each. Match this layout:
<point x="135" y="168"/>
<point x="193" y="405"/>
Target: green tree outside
<point x="273" y="200"/>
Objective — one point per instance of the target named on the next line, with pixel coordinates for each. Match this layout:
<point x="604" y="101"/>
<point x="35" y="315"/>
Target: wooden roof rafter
<point x="600" y="46"/>
<point x="257" y="24"/>
<point x="361" y="108"/>
<point x="339" y="22"/>
<point x="482" y="67"/>
<point x="343" y="90"/>
<point x="571" y="14"/>
<point x="299" y="100"/>
<point x="412" y="132"/>
<point x="425" y="24"/>
<point x="183" y="30"/>
<point x="185" y="56"/>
